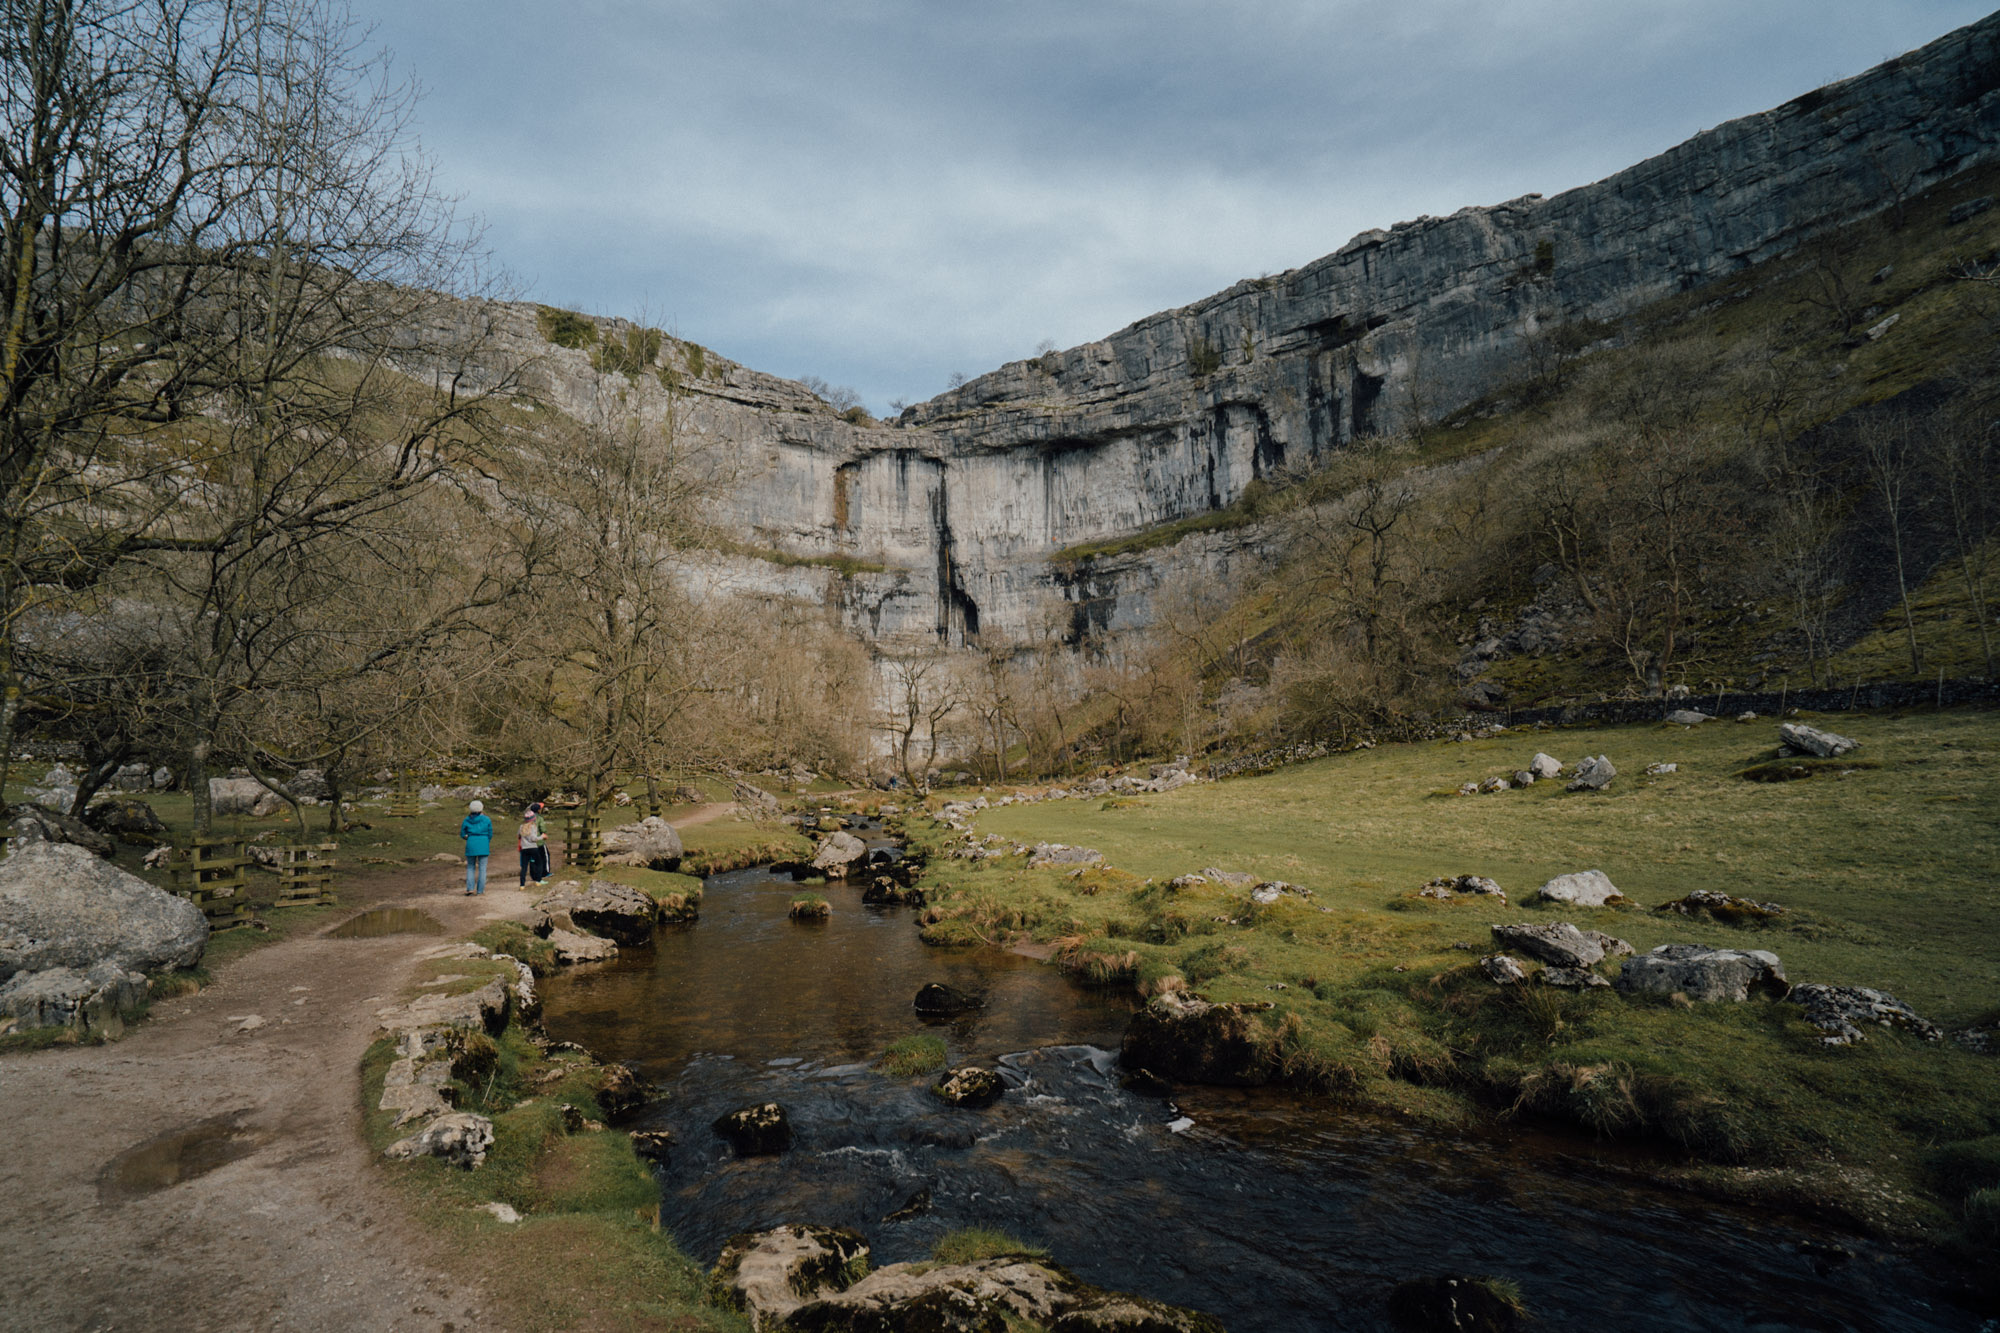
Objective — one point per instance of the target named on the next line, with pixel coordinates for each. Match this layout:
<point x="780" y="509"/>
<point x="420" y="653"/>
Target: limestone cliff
<point x="946" y="519"/>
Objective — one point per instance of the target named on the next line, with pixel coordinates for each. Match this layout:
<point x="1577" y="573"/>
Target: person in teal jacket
<point x="477" y="830"/>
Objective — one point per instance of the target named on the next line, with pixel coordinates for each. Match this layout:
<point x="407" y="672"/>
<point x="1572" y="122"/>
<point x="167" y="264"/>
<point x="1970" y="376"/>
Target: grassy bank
<point x="588" y="1251"/>
<point x="1883" y="866"/>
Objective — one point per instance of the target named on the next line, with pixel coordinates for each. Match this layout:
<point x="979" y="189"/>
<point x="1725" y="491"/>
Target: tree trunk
<point x="197" y="777"/>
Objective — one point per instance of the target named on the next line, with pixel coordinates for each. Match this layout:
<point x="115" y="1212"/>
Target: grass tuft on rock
<point x="970" y="1244"/>
<point x="907" y="1057"/>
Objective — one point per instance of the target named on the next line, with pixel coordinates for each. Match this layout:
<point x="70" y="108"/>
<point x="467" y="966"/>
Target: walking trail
<point x="297" y="1226"/>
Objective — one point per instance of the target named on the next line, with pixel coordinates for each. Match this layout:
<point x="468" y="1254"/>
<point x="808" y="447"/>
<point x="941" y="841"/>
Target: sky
<point x="883" y="193"/>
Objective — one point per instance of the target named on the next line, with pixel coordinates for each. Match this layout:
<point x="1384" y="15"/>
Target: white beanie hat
<point x="478" y="806"/>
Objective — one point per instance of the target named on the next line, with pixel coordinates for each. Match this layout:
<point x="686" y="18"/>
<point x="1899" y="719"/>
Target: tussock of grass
<point x="727" y="844"/>
<point x="907" y="1057"/>
<point x="970" y="1244"/>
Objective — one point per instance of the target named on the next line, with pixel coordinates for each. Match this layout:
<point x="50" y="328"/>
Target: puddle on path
<point x="387" y="921"/>
<point x="171" y="1158"/>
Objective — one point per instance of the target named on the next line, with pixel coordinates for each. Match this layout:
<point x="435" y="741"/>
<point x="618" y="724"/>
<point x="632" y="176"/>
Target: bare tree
<point x="1890" y="455"/>
<point x="922" y="694"/>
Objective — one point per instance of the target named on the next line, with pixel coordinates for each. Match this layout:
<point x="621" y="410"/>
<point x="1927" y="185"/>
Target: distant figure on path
<point x="534" y="845"/>
<point x="477" y="830"/>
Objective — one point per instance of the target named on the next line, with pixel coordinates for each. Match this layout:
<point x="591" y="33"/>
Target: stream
<point x="1270" y="1211"/>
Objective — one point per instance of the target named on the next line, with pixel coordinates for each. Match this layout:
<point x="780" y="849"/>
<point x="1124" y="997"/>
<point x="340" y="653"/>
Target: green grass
<point x="1885" y="872"/>
<point x="907" y="1057"/>
<point x="847" y="566"/>
<point x="732" y="844"/>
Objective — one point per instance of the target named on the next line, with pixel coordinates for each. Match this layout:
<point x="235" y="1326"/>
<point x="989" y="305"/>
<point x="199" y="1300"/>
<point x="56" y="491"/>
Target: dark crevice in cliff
<point x="956" y="609"/>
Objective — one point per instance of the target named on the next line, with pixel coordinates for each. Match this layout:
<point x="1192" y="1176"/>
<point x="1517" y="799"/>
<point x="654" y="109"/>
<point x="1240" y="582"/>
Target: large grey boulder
<point x="1061" y="854"/>
<point x="1593" y="774"/>
<point x="1703" y="974"/>
<point x="129" y="818"/>
<point x="1811" y="740"/>
<point x="1688" y="717"/>
<point x="94" y="1000"/>
<point x="60" y="906"/>
<point x="1545" y="765"/>
<point x="242" y="796"/>
<point x="837" y="854"/>
<point x="1582" y="888"/>
<point x="38" y="823"/>
<point x="1559" y="944"/>
<point x="769" y="1274"/>
<point x="651" y="842"/>
<point x="600" y="908"/>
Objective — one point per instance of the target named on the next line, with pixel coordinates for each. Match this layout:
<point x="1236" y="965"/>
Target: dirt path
<point x="298" y="1229"/>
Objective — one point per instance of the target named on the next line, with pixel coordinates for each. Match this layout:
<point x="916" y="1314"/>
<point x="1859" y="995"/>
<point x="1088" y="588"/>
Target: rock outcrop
<point x="756" y="1131"/>
<point x="769" y="1274"/>
<point x="600" y="908"/>
<point x="1581" y="888"/>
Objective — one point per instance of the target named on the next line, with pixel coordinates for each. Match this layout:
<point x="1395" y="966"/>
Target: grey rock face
<point x="1583" y="888"/>
<point x="769" y="1274"/>
<point x="651" y="841"/>
<point x="93" y="1000"/>
<point x="60" y="906"/>
<point x="484" y="1009"/>
<point x="1593" y="774"/>
<point x="574" y="948"/>
<point x="1559" y="944"/>
<point x="459" y="1138"/>
<point x="838" y="854"/>
<point x="1572" y="978"/>
<point x="1811" y="740"/>
<point x="1234" y="879"/>
<point x="1703" y="974"/>
<point x="1840" y="1012"/>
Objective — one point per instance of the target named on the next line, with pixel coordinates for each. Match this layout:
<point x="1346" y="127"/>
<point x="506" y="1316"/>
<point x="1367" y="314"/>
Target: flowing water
<point x="1270" y="1211"/>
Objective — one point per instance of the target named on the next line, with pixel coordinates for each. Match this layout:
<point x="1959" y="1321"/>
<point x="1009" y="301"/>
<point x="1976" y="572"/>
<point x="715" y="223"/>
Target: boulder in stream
<point x="938" y="1000"/>
<point x="1455" y="1305"/>
<point x="970" y="1087"/>
<point x="1190" y="1040"/>
<point x="619" y="1091"/>
<point x="763" y="1130"/>
<point x="601" y="908"/>
<point x="838" y="854"/>
<point x="653" y="1145"/>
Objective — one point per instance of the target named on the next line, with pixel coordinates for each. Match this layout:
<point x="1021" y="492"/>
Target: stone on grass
<point x="1494" y="784"/>
<point x="1723" y="907"/>
<point x="769" y="1274"/>
<point x="1502" y="970"/>
<point x="970" y="1087"/>
<point x="242" y="796"/>
<point x="1523" y="778"/>
<point x="1056" y="854"/>
<point x="1559" y="944"/>
<point x="1811" y="740"/>
<point x="1191" y="1040"/>
<point x="1705" y="975"/>
<point x="1687" y="717"/>
<point x="61" y="906"/>
<point x="763" y="1130"/>
<point x="1840" y="1012"/>
<point x="756" y="802"/>
<point x="1582" y="888"/>
<point x="651" y="842"/>
<point x="127" y="818"/>
<point x="459" y="1138"/>
<point x="1545" y="765"/>
<point x="1661" y="770"/>
<point x="1232" y="879"/>
<point x="1578" y="978"/>
<point x="1593" y="774"/>
<point x="38" y="823"/>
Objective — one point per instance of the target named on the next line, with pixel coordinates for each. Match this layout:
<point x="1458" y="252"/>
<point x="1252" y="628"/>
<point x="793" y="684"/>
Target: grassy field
<point x="1884" y="866"/>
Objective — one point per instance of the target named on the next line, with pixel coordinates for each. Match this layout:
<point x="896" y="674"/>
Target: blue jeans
<point x="475" y="874"/>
